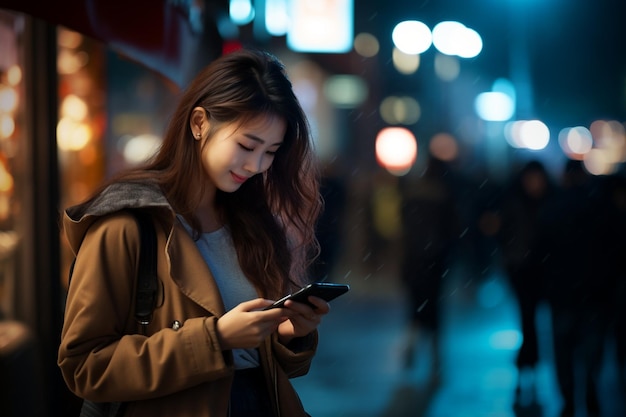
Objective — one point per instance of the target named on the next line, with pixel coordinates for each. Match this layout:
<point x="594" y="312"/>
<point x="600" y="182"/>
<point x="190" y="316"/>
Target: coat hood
<point x="114" y="198"/>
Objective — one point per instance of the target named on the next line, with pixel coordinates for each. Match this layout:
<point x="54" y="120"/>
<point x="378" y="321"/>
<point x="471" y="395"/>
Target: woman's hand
<point x="246" y="325"/>
<point x="301" y="318"/>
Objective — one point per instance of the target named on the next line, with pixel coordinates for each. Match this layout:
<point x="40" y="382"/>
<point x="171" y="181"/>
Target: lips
<point x="238" y="178"/>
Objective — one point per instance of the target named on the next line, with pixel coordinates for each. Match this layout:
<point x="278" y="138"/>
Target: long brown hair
<point x="272" y="216"/>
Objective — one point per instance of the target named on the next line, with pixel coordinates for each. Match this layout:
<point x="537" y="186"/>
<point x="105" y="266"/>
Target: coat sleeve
<point x="295" y="359"/>
<point x="99" y="360"/>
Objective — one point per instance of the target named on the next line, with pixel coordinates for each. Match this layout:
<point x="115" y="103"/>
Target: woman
<point x="233" y="194"/>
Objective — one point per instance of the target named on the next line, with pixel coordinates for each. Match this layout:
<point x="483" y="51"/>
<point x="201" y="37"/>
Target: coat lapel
<point x="193" y="276"/>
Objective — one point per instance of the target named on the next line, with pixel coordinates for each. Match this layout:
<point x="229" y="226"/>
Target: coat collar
<point x="187" y="266"/>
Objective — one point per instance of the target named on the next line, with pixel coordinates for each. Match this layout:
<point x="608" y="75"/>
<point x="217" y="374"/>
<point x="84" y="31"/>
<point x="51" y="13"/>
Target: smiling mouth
<point x="239" y="179"/>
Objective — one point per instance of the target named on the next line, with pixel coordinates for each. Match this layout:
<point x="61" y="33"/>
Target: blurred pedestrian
<point x="523" y="262"/>
<point x="429" y="232"/>
<point x="578" y="286"/>
<point x="616" y="248"/>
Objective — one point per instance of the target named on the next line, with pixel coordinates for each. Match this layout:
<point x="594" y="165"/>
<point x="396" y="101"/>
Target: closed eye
<point x="245" y="148"/>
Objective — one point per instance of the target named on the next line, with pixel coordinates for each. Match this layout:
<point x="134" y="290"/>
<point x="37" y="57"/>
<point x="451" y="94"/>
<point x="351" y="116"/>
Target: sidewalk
<point x="358" y="370"/>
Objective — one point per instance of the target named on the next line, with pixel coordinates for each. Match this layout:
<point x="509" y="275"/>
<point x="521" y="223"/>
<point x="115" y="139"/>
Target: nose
<point x="254" y="164"/>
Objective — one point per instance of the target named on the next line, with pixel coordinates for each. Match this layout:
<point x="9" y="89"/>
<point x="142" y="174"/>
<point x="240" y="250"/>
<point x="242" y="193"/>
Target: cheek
<point x="206" y="159"/>
<point x="267" y="162"/>
<point x="215" y="157"/>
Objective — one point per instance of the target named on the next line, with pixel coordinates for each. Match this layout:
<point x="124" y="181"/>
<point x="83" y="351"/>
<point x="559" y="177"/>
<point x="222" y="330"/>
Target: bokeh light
<point x="69" y="39"/>
<point x="139" y="148"/>
<point x="412" y="37"/>
<point x="276" y="17"/>
<point x="494" y="106"/>
<point x="69" y="61"/>
<point x="534" y="134"/>
<point x="366" y="45"/>
<point x="241" y="12"/>
<point x="6" y="179"/>
<point x="527" y="134"/>
<point x="454" y="38"/>
<point x="575" y="141"/>
<point x="470" y="45"/>
<point x="444" y="147"/>
<point x="512" y="135"/>
<point x="403" y="110"/>
<point x="596" y="161"/>
<point x="321" y="26"/>
<point x="7" y="126"/>
<point x="74" y="107"/>
<point x="396" y="150"/>
<point x="345" y="91"/>
<point x="8" y="99"/>
<point x="72" y="135"/>
<point x="610" y="136"/>
<point x="405" y="63"/>
<point x="14" y="75"/>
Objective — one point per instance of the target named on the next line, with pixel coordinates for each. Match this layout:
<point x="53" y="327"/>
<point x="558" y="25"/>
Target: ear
<point x="199" y="123"/>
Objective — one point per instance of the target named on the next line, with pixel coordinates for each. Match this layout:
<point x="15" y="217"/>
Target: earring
<point x="198" y="135"/>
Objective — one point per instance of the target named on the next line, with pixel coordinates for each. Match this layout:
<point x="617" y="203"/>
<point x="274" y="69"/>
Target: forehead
<point x="265" y="126"/>
<point x="259" y="121"/>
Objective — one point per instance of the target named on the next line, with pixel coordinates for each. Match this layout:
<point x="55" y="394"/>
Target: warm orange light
<point x="8" y="99"/>
<point x="6" y="180"/>
<point x="7" y="126"/>
<point x="396" y="149"/>
<point x="72" y="135"/>
<point x="14" y="75"/>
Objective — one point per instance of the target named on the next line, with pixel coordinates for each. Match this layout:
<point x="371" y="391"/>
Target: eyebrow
<point x="258" y="139"/>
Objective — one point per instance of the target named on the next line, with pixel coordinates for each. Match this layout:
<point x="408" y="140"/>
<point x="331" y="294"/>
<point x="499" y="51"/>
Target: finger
<point x="306" y="313"/>
<point x="275" y="314"/>
<point x="299" y="308"/>
<point x="255" y="304"/>
<point x="321" y="306"/>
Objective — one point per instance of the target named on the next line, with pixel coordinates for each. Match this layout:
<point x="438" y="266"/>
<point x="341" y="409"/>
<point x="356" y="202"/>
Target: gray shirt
<point x="218" y="251"/>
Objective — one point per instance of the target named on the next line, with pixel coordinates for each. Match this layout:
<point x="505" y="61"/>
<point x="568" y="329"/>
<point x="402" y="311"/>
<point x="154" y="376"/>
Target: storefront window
<point x="81" y="124"/>
<point x="82" y="114"/>
<point x="12" y="178"/>
<point x="111" y="117"/>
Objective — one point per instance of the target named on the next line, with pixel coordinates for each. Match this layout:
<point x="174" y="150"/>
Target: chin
<point x="230" y="188"/>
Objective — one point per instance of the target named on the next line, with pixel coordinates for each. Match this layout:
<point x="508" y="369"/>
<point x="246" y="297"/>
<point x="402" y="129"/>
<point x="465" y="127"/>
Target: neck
<point x="210" y="223"/>
<point x="207" y="213"/>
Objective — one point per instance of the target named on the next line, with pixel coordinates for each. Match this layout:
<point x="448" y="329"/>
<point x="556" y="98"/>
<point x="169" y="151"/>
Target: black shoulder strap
<point x="147" y="282"/>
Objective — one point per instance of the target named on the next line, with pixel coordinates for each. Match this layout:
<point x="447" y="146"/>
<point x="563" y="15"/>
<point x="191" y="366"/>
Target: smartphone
<point x="325" y="290"/>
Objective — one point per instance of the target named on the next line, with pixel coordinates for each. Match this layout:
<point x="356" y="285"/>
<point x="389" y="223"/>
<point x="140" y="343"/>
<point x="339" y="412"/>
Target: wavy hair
<point x="272" y="216"/>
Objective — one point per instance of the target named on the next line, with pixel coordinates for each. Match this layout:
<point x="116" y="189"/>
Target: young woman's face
<point x="236" y="152"/>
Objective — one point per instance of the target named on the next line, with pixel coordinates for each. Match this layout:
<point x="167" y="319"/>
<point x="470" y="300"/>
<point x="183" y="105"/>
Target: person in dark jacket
<point x="429" y="224"/>
<point x="578" y="284"/>
<point x="522" y="260"/>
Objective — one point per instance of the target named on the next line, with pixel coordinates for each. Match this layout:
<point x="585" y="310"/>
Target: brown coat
<point x="163" y="372"/>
